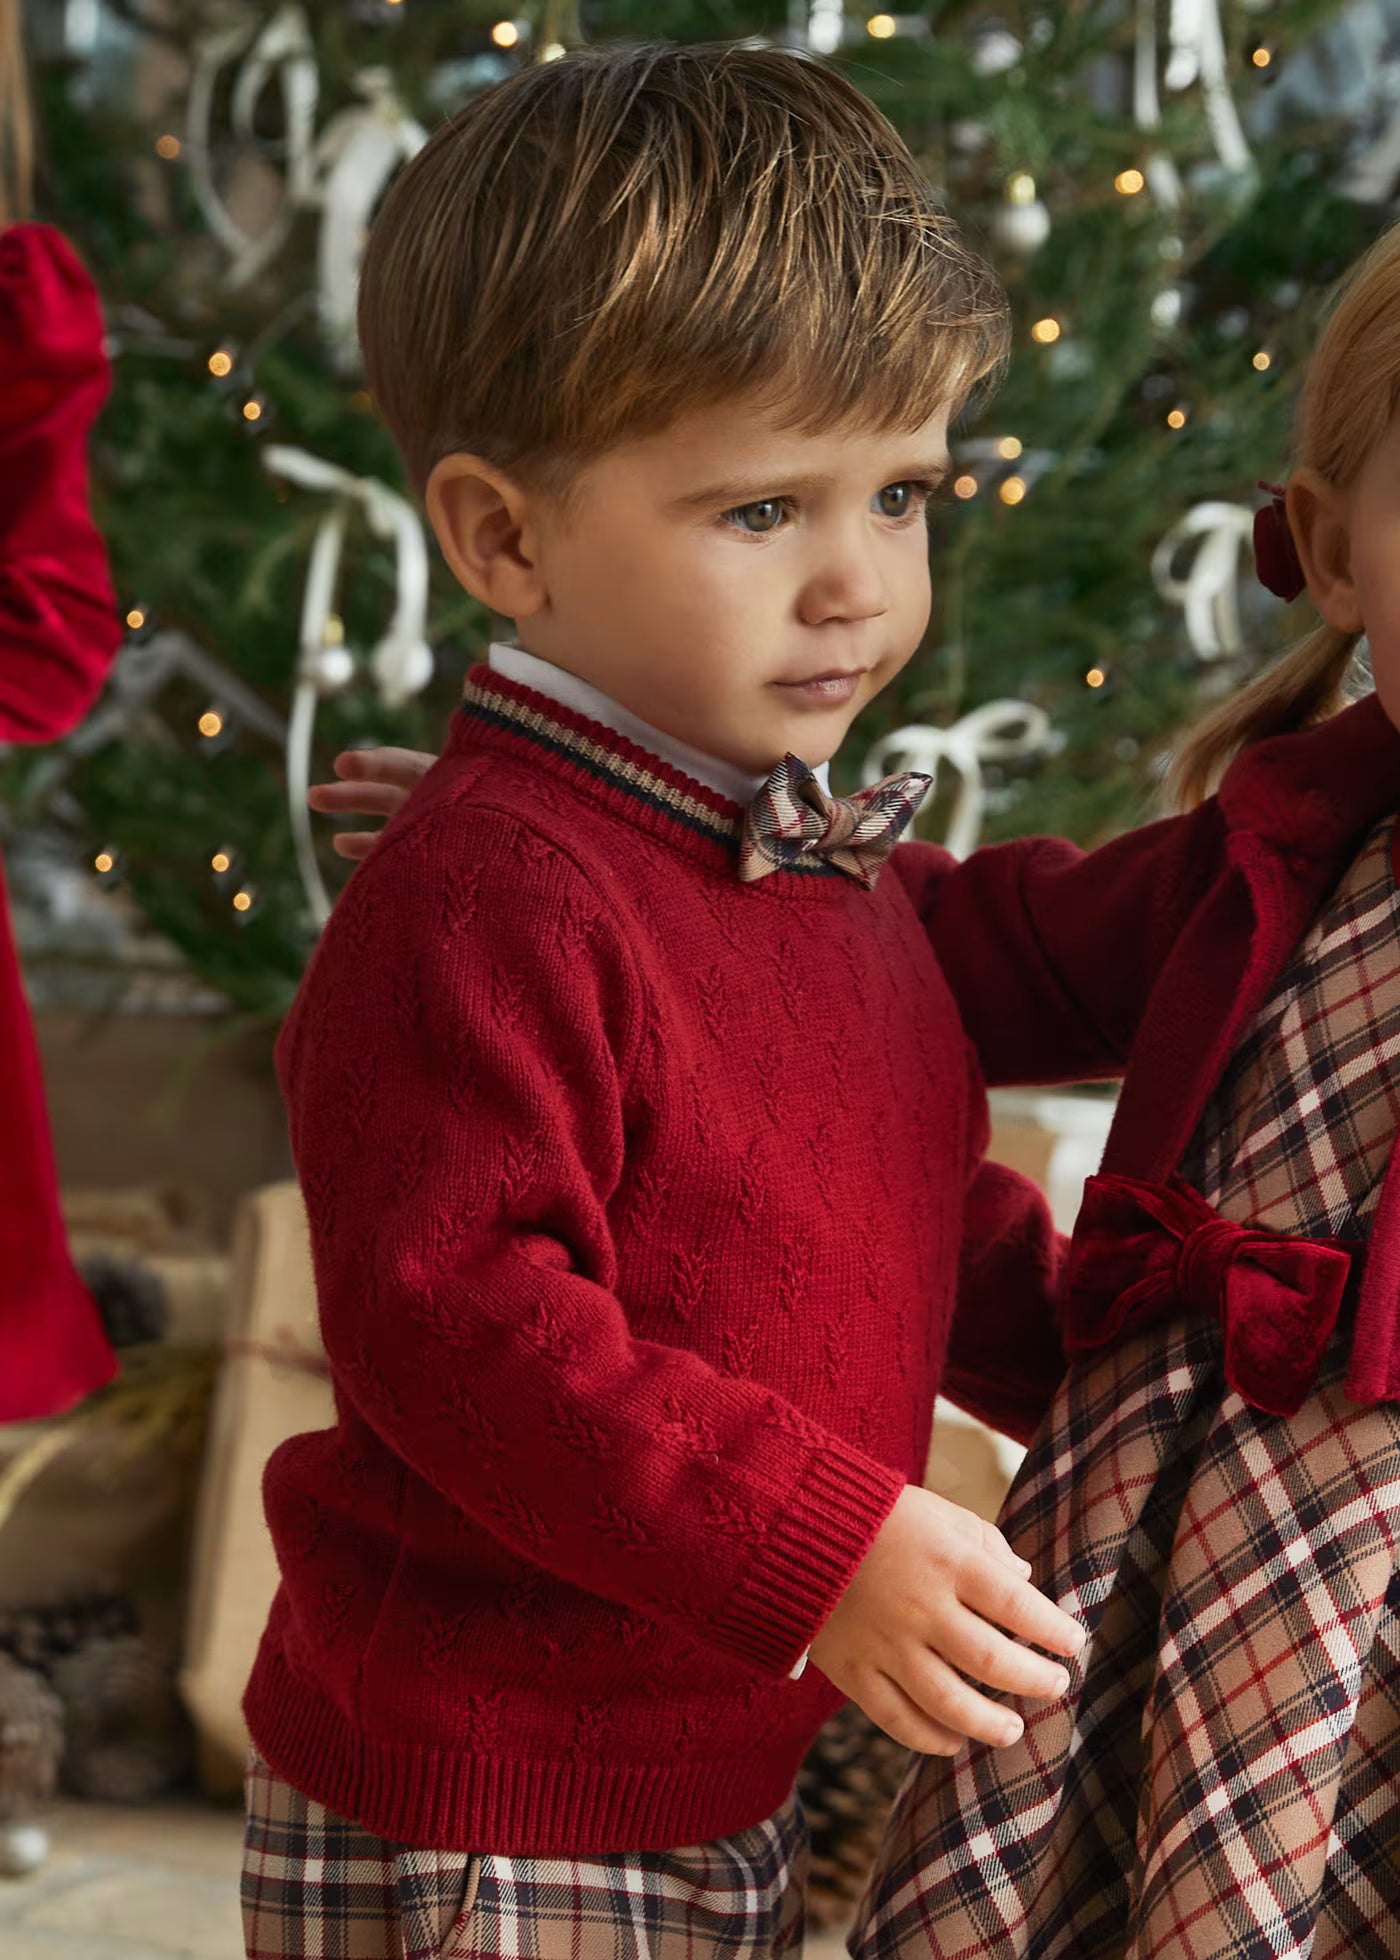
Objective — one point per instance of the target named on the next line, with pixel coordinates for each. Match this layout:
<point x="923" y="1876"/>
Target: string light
<point x="880" y="27"/>
<point x="1176" y="418"/>
<point x="1129" y="182"/>
<point x="1263" y="359"/>
<point x="243" y="901"/>
<point x="1045" y="331"/>
<point x="252" y="410"/>
<point x="1095" y="677"/>
<point x="221" y="362"/>
<point x="1261" y="57"/>
<point x="964" y="487"/>
<point x="1020" y="188"/>
<point x="103" y="863"/>
<point x="1009" y="447"/>
<point x="136" y="619"/>
<point x="167" y="146"/>
<point x="505" y="33"/>
<point x="211" y="723"/>
<point x="221" y="862"/>
<point x="1012" y="490"/>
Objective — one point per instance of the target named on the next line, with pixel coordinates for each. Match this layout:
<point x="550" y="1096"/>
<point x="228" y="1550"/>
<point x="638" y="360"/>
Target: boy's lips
<point x="829" y="689"/>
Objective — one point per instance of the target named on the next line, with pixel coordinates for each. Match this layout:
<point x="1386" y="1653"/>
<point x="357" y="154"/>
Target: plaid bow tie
<point x="792" y="819"/>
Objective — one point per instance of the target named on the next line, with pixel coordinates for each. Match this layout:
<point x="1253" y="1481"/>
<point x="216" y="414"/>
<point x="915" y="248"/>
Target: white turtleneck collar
<point x="528" y="670"/>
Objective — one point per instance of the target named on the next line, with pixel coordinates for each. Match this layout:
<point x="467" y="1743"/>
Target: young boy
<point x="638" y="1130"/>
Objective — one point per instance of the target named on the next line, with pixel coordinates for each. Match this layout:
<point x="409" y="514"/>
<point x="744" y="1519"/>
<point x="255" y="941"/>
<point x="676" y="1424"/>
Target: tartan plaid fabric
<point x="792" y="821"/>
<point x="315" y="1884"/>
<point x="1222" y="1778"/>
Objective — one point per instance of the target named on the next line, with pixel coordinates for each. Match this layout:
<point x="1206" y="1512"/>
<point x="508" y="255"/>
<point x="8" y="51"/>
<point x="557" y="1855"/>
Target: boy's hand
<point x="929" y="1598"/>
<point x="373" y="783"/>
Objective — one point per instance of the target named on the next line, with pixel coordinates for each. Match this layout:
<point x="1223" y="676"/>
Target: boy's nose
<point x="845" y="583"/>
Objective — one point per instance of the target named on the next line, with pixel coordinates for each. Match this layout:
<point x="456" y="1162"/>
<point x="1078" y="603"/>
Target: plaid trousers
<point x="1223" y="1778"/>
<point x="315" y="1884"/>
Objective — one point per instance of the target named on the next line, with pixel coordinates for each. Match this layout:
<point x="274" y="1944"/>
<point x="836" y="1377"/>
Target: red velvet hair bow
<point x="1276" y="557"/>
<point x="1144" y="1253"/>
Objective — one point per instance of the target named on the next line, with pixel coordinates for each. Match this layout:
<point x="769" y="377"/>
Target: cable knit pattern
<point x="636" y="1197"/>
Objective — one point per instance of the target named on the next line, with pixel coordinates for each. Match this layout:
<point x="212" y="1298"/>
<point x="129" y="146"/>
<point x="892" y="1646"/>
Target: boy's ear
<point x="1319" y="519"/>
<point x="483" y="521"/>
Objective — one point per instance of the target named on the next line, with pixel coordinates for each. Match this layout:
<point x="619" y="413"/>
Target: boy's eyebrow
<point x="734" y="493"/>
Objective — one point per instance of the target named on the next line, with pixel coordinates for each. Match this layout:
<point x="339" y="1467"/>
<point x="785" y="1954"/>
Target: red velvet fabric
<point x="1148" y="1252"/>
<point x="58" y="635"/>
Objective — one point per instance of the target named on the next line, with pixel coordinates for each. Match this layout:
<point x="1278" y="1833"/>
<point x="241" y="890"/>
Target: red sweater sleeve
<point x="461" y="1083"/>
<point x="1051" y="953"/>
<point x="58" y="625"/>
<point x="1005" y="1360"/>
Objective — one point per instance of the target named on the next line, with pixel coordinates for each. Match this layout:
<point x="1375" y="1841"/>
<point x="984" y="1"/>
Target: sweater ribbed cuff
<point x="807" y="1559"/>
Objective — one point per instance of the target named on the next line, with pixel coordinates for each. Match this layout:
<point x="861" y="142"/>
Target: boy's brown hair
<point x="604" y="242"/>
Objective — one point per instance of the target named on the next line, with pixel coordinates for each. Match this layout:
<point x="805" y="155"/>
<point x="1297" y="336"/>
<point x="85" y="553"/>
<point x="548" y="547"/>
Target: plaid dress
<point x="319" y="1887"/>
<point x="1223" y="1778"/>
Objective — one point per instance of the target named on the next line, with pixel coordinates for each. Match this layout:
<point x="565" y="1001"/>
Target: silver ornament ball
<point x="1021" y="228"/>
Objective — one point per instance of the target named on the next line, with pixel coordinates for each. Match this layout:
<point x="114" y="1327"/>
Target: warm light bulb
<point x="243" y="901"/>
<point x="220" y="862"/>
<point x="1012" y="490"/>
<point x="1176" y="418"/>
<point x="1095" y="677"/>
<point x="880" y="26"/>
<point x="167" y="146"/>
<point x="1020" y="188"/>
<point x="1261" y="57"/>
<point x="103" y="863"/>
<point x="252" y="410"/>
<point x="1045" y="331"/>
<point x="136" y="619"/>
<point x="964" y="486"/>
<point x="1263" y="359"/>
<point x="1129" y="182"/>
<point x="221" y="362"/>
<point x="1009" y="447"/>
<point x="505" y="33"/>
<point x="211" y="723"/>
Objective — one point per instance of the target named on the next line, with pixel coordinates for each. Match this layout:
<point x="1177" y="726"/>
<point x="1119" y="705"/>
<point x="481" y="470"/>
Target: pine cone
<point x="132" y="1300"/>
<point x="128" y="1736"/>
<point x="847" y="1784"/>
<point x="31" y="1741"/>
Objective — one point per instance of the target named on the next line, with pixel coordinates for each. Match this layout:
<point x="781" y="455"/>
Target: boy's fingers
<point x="355" y="799"/>
<point x="1015" y="1605"/>
<point x="952" y="1703"/>
<point x="976" y="1648"/>
<point x="354" y="844"/>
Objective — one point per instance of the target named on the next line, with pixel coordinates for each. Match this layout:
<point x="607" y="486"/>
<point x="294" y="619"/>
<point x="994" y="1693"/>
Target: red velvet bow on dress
<point x="1149" y="1252"/>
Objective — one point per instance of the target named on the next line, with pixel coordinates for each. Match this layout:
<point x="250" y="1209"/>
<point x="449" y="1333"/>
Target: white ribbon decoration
<point x="1001" y="731"/>
<point x="402" y="662"/>
<point x="358" y="152"/>
<point x="1196" y="54"/>
<point x="1209" y="593"/>
<point x="282" y="46"/>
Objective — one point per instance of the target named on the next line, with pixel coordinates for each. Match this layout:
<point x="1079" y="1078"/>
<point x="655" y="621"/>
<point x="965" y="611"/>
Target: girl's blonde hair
<point x="1349" y="396"/>
<point x="16" y="124"/>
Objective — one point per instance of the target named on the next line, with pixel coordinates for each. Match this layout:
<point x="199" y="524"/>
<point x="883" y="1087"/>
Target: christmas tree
<point x="1167" y="192"/>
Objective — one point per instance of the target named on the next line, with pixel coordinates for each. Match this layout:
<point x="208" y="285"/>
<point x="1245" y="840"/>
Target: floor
<point x="147" y="1884"/>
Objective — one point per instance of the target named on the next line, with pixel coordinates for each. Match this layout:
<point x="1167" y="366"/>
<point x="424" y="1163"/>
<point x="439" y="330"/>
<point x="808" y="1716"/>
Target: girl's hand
<point x="373" y="783"/>
<point x="940" y="1602"/>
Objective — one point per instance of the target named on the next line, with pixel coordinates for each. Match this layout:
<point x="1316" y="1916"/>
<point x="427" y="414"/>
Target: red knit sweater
<point x="636" y="1196"/>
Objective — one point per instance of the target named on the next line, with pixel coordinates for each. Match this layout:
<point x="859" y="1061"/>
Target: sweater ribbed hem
<point x="807" y="1559"/>
<point x="456" y="1801"/>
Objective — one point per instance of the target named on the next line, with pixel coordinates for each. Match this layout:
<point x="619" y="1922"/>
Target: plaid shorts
<point x="1222" y="1782"/>
<point x="315" y="1884"/>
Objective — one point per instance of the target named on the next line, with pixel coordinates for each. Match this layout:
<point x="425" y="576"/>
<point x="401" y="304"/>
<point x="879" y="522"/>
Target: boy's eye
<point x="762" y="516"/>
<point x="896" y="499"/>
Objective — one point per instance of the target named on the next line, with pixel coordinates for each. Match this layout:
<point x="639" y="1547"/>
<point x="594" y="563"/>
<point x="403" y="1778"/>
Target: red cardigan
<point x="622" y="1399"/>
<point x="58" y="635"/>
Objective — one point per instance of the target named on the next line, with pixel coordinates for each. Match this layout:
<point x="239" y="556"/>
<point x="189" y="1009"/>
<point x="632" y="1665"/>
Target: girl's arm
<point x="58" y="624"/>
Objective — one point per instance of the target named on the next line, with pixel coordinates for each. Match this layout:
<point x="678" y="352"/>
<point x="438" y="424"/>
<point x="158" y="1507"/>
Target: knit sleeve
<point x="459" y="1074"/>
<point x="58" y="625"/>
